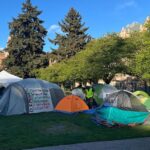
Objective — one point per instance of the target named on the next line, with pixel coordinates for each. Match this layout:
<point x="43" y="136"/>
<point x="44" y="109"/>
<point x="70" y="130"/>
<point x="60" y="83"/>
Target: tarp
<point x="7" y="78"/>
<point x="30" y="96"/>
<point x="113" y="115"/>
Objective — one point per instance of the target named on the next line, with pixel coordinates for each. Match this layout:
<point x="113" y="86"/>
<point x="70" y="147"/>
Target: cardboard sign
<point x="39" y="100"/>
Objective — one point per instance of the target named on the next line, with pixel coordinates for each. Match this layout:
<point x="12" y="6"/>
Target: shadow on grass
<point x="48" y="129"/>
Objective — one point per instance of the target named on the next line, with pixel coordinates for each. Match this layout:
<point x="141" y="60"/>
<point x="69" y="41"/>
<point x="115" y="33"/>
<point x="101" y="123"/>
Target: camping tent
<point x="142" y="95"/>
<point x="7" y="78"/>
<point x="101" y="90"/>
<point x="144" y="98"/>
<point x="122" y="107"/>
<point x="71" y="104"/>
<point x="30" y="96"/>
<point x="78" y="92"/>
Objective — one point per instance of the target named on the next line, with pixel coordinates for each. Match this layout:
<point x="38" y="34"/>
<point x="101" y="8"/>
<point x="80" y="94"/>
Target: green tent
<point x="147" y="103"/>
<point x="141" y="94"/>
<point x="144" y="98"/>
<point x="101" y="90"/>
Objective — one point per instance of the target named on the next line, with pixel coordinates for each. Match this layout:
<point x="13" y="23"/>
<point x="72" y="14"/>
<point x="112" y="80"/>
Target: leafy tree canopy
<point x="101" y="59"/>
<point x="141" y="63"/>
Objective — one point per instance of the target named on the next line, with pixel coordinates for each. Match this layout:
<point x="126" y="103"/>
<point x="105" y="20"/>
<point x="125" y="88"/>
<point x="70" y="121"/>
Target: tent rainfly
<point x="7" y="78"/>
<point x="71" y="104"/>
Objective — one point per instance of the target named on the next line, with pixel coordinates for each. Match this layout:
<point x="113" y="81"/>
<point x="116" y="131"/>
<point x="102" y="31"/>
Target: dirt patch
<point x="65" y="128"/>
<point x="56" y="128"/>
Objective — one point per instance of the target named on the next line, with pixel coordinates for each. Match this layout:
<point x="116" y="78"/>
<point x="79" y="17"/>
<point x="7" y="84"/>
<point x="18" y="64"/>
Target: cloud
<point x="1" y="48"/>
<point x="54" y="28"/>
<point x="128" y="4"/>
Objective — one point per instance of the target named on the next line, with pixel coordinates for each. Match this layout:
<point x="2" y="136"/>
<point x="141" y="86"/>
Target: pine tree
<point x="74" y="37"/>
<point x="26" y="42"/>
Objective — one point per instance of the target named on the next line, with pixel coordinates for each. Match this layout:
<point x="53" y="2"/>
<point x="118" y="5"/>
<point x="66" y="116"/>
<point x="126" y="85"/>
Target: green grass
<point x="47" y="129"/>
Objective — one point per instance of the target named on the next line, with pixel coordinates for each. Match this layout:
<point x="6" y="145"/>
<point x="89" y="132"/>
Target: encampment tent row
<point x="26" y="96"/>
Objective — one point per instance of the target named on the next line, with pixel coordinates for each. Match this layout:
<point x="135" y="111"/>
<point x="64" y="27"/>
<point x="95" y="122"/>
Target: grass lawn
<point x="47" y="129"/>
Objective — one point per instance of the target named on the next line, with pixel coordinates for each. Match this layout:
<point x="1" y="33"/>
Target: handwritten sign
<point x="39" y="100"/>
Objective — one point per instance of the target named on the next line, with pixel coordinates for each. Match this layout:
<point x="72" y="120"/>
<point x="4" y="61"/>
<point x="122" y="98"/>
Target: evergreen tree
<point x="26" y="42"/>
<point x="74" y="37"/>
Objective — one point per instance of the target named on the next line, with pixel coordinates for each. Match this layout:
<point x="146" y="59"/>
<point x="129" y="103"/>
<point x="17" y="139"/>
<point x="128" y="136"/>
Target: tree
<point x="74" y="37"/>
<point x="26" y="42"/>
<point x="142" y="58"/>
<point x="142" y="61"/>
<point x="101" y="59"/>
<point x="110" y="55"/>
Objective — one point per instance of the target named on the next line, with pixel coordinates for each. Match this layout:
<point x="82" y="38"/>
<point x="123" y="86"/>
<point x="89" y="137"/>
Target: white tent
<point x="7" y="78"/>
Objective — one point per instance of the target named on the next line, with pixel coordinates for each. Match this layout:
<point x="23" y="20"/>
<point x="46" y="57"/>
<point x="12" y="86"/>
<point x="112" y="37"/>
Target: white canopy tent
<point x="7" y="78"/>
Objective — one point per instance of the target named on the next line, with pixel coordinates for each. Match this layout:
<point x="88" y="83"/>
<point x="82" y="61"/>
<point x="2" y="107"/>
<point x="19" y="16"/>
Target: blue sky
<point x="101" y="16"/>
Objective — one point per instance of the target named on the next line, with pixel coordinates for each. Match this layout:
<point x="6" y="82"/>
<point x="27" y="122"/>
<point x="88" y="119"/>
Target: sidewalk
<point x="129" y="144"/>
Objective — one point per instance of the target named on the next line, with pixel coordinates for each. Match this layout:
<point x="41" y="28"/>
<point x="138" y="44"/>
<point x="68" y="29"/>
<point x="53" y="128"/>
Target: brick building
<point x="3" y="55"/>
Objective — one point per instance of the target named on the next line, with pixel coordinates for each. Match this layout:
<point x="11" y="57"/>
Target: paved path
<point x="129" y="144"/>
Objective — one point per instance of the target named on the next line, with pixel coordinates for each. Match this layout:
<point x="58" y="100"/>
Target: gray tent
<point x="78" y="92"/>
<point x="30" y="96"/>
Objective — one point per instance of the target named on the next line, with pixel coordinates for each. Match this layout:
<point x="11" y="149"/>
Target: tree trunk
<point x="107" y="79"/>
<point x="62" y="87"/>
<point x="145" y="85"/>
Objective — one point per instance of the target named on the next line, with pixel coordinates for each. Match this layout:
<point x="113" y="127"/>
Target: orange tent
<point x="71" y="104"/>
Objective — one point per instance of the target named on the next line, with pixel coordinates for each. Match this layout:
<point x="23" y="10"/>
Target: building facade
<point x="3" y="55"/>
<point x="126" y="31"/>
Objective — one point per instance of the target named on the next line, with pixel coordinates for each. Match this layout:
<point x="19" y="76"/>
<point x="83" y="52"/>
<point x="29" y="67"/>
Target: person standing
<point x="89" y="96"/>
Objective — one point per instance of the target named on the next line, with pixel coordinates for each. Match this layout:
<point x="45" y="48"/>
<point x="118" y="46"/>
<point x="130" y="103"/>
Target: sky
<point x="101" y="16"/>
